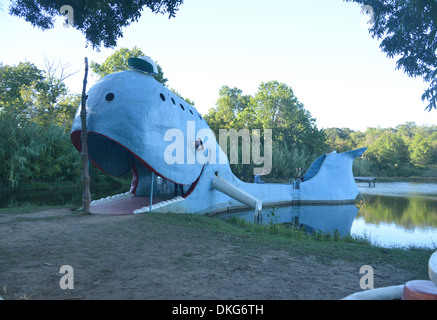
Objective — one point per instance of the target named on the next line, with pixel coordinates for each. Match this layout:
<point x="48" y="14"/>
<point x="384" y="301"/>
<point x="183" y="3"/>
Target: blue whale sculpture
<point x="137" y="125"/>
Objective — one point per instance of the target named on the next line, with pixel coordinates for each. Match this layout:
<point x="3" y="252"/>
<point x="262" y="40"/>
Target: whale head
<point x="131" y="121"/>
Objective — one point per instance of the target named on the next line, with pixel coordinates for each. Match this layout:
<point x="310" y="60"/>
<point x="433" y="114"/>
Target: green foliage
<point x="403" y="151"/>
<point x="388" y="151"/>
<point x="296" y="139"/>
<point x="420" y="151"/>
<point x="286" y="161"/>
<point x="277" y="108"/>
<point x="342" y="139"/>
<point x="31" y="152"/>
<point x="362" y="167"/>
<point x="36" y="113"/>
<point x="13" y="80"/>
<point x="407" y="30"/>
<point x="100" y="21"/>
<point x="27" y="93"/>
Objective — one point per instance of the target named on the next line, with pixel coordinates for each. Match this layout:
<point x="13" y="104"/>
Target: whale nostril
<point x="109" y="96"/>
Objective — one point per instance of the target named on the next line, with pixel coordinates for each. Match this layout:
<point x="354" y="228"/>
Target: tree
<point x="232" y="110"/>
<point x="408" y="30"/>
<point x="433" y="145"/>
<point x="28" y="93"/>
<point x="36" y="113"/>
<point x="340" y="139"/>
<point x="277" y="108"/>
<point x="30" y="152"/>
<point x="118" y="61"/>
<point x="389" y="152"/>
<point x="12" y="80"/>
<point x="420" y="151"/>
<point x="101" y="21"/>
<point x="296" y="138"/>
<point x="86" y="194"/>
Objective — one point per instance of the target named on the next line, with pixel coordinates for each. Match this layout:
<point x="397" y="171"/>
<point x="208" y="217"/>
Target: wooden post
<point x="86" y="194"/>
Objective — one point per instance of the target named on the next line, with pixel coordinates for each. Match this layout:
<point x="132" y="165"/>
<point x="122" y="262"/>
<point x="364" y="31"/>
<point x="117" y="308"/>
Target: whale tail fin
<point x="330" y="177"/>
<point x="317" y="164"/>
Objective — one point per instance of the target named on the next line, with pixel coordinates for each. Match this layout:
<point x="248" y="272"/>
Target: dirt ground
<point x="146" y="257"/>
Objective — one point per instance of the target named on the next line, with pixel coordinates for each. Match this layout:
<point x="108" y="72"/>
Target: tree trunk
<point x="86" y="195"/>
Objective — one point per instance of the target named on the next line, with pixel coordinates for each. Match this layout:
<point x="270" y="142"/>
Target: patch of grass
<point x="294" y="232"/>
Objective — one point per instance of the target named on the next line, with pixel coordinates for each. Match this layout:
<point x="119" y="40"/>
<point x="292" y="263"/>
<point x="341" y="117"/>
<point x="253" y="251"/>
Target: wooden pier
<point x="370" y="180"/>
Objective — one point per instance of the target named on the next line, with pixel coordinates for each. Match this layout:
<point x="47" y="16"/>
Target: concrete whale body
<point x="133" y="123"/>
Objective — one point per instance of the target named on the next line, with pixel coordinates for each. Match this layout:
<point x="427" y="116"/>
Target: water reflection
<point x="408" y="212"/>
<point x="327" y="219"/>
<point x="398" y="221"/>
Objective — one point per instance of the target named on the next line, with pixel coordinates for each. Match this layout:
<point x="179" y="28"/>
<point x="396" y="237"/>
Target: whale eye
<point x="109" y="96"/>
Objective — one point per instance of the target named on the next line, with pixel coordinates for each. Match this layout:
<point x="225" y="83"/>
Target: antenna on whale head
<point x="143" y="64"/>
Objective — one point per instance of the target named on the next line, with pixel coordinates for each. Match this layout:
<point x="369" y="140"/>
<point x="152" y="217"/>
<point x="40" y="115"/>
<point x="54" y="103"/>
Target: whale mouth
<point x="113" y="158"/>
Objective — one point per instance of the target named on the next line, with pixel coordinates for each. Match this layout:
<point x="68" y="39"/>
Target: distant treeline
<point x="36" y="114"/>
<point x="404" y="151"/>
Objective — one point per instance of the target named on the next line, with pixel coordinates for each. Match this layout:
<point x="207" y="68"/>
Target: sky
<point x="321" y="49"/>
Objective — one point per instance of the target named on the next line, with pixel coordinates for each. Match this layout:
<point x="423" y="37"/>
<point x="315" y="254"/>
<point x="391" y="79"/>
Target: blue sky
<point x="321" y="49"/>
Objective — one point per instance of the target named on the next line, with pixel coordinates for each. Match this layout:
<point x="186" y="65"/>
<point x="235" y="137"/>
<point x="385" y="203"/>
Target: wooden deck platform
<point x="370" y="180"/>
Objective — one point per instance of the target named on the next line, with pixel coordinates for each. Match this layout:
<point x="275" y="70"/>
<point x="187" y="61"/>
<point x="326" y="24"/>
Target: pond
<point x="394" y="214"/>
<point x="398" y="214"/>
